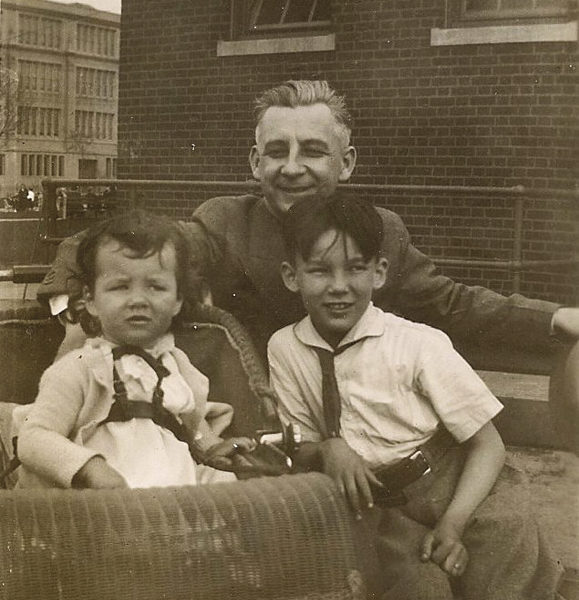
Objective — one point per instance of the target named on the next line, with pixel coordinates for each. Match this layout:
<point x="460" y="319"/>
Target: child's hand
<point x="443" y="546"/>
<point x="97" y="473"/>
<point x="350" y="472"/>
<point x="228" y="454"/>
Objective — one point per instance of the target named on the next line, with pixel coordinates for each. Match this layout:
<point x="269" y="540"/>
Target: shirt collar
<point x="165" y="343"/>
<point x="370" y="324"/>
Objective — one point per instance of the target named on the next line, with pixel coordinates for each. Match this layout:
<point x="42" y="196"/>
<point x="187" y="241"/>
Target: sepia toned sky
<point x="110" y="5"/>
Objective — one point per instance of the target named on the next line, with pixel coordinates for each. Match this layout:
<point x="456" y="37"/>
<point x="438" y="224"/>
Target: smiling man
<point x="302" y="148"/>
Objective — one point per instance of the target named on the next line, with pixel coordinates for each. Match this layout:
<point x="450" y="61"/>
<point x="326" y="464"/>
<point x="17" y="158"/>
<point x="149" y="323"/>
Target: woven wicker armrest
<point x="285" y="538"/>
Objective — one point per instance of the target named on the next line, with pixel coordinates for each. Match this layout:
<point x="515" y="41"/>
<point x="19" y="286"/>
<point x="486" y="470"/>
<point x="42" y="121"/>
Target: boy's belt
<point x="396" y="477"/>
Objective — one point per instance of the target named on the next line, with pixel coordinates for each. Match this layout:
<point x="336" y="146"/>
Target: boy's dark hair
<point x="306" y="221"/>
<point x="145" y="234"/>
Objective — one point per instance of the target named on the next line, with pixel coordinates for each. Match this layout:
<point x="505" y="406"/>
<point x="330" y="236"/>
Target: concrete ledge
<point x="312" y="43"/>
<point x="505" y="34"/>
<point x="525" y="420"/>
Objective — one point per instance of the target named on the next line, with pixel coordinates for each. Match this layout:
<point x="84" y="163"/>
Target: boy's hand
<point x="228" y="454"/>
<point x="350" y="472"/>
<point x="97" y="473"/>
<point x="443" y="546"/>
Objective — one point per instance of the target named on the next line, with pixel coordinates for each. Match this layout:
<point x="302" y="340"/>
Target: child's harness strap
<point x="124" y="409"/>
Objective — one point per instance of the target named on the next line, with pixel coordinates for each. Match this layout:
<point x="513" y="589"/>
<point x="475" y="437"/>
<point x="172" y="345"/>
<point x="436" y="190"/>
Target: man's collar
<point x="370" y="324"/>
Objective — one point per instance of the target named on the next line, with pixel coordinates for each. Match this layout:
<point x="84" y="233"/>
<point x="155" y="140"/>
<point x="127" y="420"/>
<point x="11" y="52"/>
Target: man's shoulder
<point x="228" y="205"/>
<point x="419" y="332"/>
<point x="390" y="219"/>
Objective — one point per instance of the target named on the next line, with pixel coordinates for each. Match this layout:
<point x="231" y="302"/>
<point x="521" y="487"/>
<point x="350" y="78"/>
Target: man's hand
<point x="97" y="473"/>
<point x="443" y="546"/>
<point x="350" y="472"/>
<point x="566" y="320"/>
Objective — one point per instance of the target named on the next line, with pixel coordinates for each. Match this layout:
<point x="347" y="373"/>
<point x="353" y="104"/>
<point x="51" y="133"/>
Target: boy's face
<point x="135" y="299"/>
<point x="335" y="283"/>
<point x="299" y="153"/>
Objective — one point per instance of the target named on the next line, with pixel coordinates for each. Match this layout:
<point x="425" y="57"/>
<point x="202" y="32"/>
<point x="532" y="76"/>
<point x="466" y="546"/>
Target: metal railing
<point x="519" y="195"/>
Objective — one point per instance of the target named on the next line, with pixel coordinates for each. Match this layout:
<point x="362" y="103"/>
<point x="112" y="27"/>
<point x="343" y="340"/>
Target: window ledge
<point x="503" y="34"/>
<point x="313" y="43"/>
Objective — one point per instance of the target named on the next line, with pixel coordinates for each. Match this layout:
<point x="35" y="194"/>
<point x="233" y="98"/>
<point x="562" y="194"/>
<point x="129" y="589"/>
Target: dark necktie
<point x="331" y="401"/>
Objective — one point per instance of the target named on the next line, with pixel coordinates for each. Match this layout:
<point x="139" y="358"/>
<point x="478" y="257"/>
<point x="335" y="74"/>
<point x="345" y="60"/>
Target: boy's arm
<point x="331" y="456"/>
<point x="349" y="471"/>
<point x="484" y="461"/>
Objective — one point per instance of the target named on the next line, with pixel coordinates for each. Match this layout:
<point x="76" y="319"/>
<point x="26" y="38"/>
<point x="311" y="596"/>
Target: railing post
<point x="518" y="241"/>
<point x="49" y="209"/>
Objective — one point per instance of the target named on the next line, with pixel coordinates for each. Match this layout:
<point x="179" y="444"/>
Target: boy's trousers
<point x="509" y="559"/>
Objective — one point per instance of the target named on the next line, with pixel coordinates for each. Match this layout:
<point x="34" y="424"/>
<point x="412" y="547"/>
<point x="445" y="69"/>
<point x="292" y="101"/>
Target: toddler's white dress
<point x="144" y="453"/>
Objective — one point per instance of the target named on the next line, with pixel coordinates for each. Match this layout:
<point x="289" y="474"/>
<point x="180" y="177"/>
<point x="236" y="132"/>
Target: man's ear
<point x="254" y="162"/>
<point x="288" y="274"/>
<point x="348" y="163"/>
<point x="178" y="306"/>
<point x="380" y="273"/>
<point x="88" y="301"/>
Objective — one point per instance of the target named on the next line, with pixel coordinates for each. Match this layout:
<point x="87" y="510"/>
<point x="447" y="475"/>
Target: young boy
<point x="399" y="419"/>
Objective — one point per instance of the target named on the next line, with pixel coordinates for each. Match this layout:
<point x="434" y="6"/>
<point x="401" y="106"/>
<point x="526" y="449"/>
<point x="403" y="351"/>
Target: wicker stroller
<point x="269" y="537"/>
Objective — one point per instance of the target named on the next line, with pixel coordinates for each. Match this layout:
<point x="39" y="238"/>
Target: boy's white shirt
<point x="397" y="383"/>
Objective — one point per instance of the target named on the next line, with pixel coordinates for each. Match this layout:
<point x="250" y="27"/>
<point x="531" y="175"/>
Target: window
<point x="91" y="39"/>
<point x="95" y="83"/>
<point x="37" y="76"/>
<point x="87" y="168"/>
<point x="42" y="165"/>
<point x="513" y="11"/>
<point x="111" y="168"/>
<point x="279" y="15"/>
<point x="94" y="125"/>
<point x="38" y="121"/>
<point x="278" y="26"/>
<point x="507" y="21"/>
<point x="39" y="31"/>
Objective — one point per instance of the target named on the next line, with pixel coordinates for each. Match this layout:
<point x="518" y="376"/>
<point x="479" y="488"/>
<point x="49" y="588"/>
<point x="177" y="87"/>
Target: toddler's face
<point x="336" y="283"/>
<point x="135" y="299"/>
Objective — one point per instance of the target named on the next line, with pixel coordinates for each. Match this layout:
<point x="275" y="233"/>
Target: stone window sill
<point x="313" y="43"/>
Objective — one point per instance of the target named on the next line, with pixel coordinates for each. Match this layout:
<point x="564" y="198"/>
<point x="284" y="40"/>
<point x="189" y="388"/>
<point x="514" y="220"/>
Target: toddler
<point x="128" y="409"/>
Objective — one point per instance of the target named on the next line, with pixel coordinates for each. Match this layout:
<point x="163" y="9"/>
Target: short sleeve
<point x="459" y="397"/>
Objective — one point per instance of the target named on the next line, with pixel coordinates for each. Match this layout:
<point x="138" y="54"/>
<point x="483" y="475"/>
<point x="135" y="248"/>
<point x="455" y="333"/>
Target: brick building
<point x="443" y="92"/>
<point x="58" y="92"/>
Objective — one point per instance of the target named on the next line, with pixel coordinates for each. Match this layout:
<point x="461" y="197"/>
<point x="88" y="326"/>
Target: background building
<point x="58" y="92"/>
<point x="443" y="92"/>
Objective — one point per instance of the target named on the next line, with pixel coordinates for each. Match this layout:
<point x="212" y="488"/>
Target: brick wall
<point x="476" y="115"/>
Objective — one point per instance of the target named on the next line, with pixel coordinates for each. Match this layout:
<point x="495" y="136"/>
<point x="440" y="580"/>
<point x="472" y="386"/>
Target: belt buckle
<point x="419" y="455"/>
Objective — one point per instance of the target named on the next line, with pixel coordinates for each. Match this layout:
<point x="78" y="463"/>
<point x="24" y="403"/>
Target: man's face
<point x="299" y="153"/>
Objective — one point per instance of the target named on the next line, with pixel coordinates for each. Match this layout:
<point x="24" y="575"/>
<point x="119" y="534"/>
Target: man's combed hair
<point x="306" y="221"/>
<point x="144" y="234"/>
<point x="292" y="94"/>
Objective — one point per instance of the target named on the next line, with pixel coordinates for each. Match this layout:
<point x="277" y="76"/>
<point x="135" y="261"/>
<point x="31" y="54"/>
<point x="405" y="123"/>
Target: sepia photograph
<point x="289" y="299"/>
